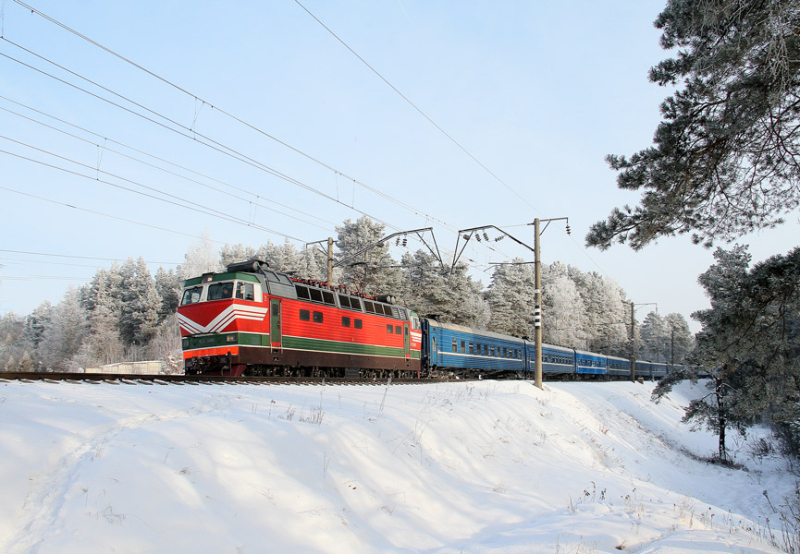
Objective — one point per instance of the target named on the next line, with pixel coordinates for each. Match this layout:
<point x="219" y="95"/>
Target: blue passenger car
<point x="556" y="360"/>
<point x="470" y="352"/>
<point x="589" y="363"/>
<point x="618" y="367"/>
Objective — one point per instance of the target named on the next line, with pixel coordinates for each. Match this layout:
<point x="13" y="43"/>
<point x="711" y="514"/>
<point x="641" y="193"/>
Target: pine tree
<point x="63" y="337"/>
<point x="367" y="265"/>
<point x="726" y="158"/>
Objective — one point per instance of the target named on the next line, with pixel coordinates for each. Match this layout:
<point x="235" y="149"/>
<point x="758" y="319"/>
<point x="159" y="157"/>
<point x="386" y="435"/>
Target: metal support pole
<point x="330" y="260"/>
<point x="538" y="303"/>
<point x="633" y="342"/>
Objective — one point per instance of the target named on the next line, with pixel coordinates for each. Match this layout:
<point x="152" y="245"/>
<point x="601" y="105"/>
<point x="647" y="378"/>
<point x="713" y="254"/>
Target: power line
<point x="218" y="109"/>
<point x="189" y="133"/>
<point x="94" y="212"/>
<point x="74" y="257"/>
<point x="202" y="209"/>
<point x="138" y="160"/>
<point x="416" y="108"/>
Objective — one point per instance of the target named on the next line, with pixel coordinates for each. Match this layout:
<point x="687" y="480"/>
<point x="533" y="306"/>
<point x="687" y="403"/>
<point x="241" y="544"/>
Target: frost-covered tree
<point x="511" y="298"/>
<point x="434" y="291"/>
<point x="749" y="343"/>
<point x="726" y="158"/>
<point x="104" y="306"/>
<point x="367" y="265"/>
<point x="606" y="312"/>
<point x="168" y="286"/>
<point x="202" y="258"/>
<point x="655" y="338"/>
<point x="141" y="304"/>
<point x="63" y="337"/>
<point x="563" y="312"/>
<point x="680" y="338"/>
<point x="15" y="343"/>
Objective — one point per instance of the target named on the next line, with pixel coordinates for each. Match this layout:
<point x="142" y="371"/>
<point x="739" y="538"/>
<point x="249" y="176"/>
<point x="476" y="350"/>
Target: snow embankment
<point x="479" y="467"/>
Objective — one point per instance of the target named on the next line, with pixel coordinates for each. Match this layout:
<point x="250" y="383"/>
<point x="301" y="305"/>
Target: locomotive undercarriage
<point x="283" y="363"/>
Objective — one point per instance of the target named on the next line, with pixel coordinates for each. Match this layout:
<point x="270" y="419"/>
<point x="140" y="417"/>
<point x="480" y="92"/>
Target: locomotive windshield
<point x="222" y="290"/>
<point x="191" y="295"/>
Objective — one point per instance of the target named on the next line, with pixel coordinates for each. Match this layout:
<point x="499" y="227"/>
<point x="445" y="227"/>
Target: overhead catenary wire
<point x="222" y="111"/>
<point x="133" y="158"/>
<point x="190" y="132"/>
<point x="187" y="132"/>
<point x="415" y="107"/>
<point x="199" y="208"/>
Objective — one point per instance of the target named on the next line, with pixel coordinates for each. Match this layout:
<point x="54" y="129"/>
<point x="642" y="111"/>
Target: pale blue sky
<point x="538" y="92"/>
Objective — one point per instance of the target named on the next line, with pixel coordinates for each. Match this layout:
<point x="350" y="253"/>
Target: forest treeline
<point x="126" y="313"/>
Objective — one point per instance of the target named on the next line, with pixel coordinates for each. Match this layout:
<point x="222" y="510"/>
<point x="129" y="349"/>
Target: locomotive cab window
<point x="317" y="317"/>
<point x="191" y="296"/>
<point x="305" y="315"/>
<point x="244" y="291"/>
<point x="220" y="291"/>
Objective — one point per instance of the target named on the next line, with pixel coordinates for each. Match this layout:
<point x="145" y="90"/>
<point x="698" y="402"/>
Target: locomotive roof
<point x="214" y="277"/>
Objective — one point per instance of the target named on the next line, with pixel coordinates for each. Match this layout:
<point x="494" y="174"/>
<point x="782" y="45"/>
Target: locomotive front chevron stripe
<point x="235" y="311"/>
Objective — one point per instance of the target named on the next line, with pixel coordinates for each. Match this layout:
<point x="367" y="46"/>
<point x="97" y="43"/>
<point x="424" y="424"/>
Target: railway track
<point x="129" y="379"/>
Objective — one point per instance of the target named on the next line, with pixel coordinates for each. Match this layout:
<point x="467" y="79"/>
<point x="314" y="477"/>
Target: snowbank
<point x="479" y="467"/>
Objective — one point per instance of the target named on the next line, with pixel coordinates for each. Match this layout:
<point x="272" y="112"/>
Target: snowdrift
<point x="479" y="467"/>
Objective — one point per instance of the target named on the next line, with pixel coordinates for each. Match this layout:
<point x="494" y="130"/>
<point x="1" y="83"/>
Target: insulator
<point x="485" y="236"/>
<point x="397" y="242"/>
<point x="466" y="236"/>
<point x="477" y="237"/>
<point x="501" y="237"/>
<point x="405" y="242"/>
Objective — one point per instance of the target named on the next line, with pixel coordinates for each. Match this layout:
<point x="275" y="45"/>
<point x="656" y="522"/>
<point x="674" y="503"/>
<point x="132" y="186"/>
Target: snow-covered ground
<point x="477" y="467"/>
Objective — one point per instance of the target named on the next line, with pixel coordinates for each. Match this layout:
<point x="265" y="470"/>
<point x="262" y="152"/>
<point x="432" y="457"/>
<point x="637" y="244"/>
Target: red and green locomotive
<point x="251" y="320"/>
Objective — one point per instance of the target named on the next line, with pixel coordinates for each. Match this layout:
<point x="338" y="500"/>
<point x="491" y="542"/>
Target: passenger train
<point x="251" y="320"/>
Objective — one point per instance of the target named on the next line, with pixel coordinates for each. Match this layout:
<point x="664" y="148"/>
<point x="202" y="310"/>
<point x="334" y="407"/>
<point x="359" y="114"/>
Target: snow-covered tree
<point x="511" y="298"/>
<point x="563" y="313"/>
<point x="141" y="304"/>
<point x="202" y="258"/>
<point x="372" y="271"/>
<point x="63" y="337"/>
<point x="655" y="338"/>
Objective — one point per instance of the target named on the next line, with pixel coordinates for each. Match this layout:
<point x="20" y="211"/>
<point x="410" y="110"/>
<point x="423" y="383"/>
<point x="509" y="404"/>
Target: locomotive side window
<point x="390" y="329"/>
<point x="191" y="296"/>
<point x="355" y="303"/>
<point x="345" y="322"/>
<point x="220" y="291"/>
<point x="302" y="292"/>
<point x="305" y="315"/>
<point x="316" y="295"/>
<point x="327" y="297"/>
<point x="369" y="306"/>
<point x="455" y="345"/>
<point x="463" y="347"/>
<point x="244" y="291"/>
<point x="317" y="317"/>
<point x="472" y="348"/>
<point x="359" y="324"/>
<point x="344" y="301"/>
<point x="398" y="329"/>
